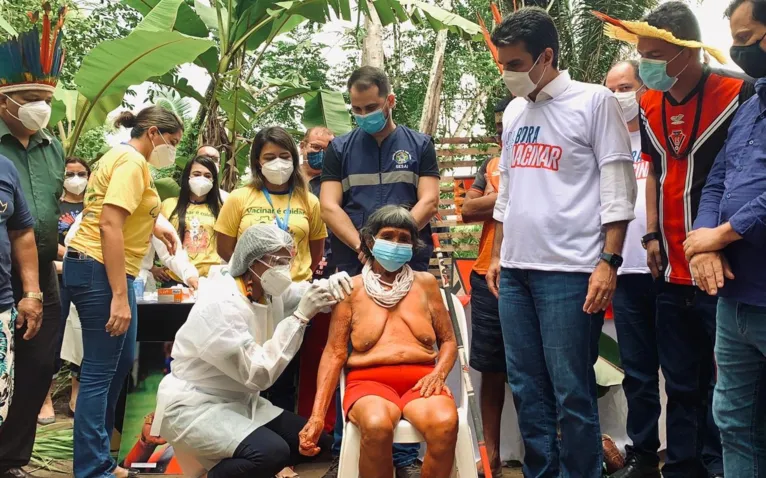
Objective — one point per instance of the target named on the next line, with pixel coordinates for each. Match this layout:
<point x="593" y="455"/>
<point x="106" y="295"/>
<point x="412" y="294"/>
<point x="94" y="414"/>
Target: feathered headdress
<point x="629" y="31"/>
<point x="32" y="61"/>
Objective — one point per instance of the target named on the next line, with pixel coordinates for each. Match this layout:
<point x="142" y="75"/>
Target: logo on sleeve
<point x="402" y="159"/>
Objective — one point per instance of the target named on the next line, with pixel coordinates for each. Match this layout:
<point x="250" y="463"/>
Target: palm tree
<point x="585" y="51"/>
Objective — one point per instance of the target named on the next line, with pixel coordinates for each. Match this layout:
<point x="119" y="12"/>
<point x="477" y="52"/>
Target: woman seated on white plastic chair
<point x="393" y="318"/>
<point x="239" y="337"/>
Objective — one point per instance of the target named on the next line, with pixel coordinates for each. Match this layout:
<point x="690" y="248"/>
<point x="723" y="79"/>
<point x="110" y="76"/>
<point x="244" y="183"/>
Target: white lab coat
<point x="226" y="353"/>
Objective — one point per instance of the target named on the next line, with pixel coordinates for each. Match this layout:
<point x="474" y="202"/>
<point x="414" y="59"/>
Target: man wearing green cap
<point x="30" y="66"/>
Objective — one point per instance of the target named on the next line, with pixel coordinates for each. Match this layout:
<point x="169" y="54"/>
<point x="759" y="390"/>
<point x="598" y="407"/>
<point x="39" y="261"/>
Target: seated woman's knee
<point x="441" y="424"/>
<point x="376" y="427"/>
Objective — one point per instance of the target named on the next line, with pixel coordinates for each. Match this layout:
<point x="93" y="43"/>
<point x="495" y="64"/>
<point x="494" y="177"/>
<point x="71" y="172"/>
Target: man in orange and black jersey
<point x="684" y="121"/>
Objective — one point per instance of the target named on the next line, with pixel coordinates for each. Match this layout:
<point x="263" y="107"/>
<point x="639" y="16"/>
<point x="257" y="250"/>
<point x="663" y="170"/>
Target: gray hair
<point x="390" y="216"/>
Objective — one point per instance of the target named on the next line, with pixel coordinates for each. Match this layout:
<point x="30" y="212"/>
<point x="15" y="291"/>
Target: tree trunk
<point x="467" y="122"/>
<point x="372" y="46"/>
<point x="429" y="118"/>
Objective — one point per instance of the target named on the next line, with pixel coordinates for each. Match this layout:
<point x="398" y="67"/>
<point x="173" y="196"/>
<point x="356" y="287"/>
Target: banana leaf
<point x="326" y="108"/>
<point x="115" y="65"/>
<point x="161" y="18"/>
<point x="167" y="188"/>
<point x="439" y="19"/>
<point x="187" y="21"/>
<point x="179" y="84"/>
<point x="8" y="28"/>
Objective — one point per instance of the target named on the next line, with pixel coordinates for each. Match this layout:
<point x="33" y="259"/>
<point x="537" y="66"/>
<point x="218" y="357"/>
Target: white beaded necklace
<point x="385" y="294"/>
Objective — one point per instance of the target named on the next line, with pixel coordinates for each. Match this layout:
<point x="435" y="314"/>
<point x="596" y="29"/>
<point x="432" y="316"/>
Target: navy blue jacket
<point x="735" y="192"/>
<point x="374" y="176"/>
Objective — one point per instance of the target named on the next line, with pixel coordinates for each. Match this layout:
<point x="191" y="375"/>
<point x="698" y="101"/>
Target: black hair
<point x="280" y="137"/>
<point x="501" y="105"/>
<point x="532" y="26"/>
<point x="213" y="199"/>
<point x="368" y="76"/>
<point x="390" y="216"/>
<point x="166" y="121"/>
<point x="80" y="161"/>
<point x="759" y="9"/>
<point x="677" y="18"/>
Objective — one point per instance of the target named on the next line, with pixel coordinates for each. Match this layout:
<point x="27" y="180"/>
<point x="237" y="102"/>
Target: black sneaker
<point x="638" y="466"/>
<point x="410" y="471"/>
<point x="333" y="471"/>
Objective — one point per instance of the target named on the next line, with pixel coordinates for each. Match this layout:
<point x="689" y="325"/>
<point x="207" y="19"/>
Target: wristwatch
<point x="33" y="295"/>
<point x="614" y="260"/>
<point x="652" y="236"/>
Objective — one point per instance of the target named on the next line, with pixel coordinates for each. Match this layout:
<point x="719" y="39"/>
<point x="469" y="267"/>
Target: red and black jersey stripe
<point x="681" y="140"/>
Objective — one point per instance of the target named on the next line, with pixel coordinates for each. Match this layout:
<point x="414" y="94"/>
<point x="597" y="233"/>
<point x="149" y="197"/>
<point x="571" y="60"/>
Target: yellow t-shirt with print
<point x="120" y="178"/>
<point x="248" y="206"/>
<point x="199" y="237"/>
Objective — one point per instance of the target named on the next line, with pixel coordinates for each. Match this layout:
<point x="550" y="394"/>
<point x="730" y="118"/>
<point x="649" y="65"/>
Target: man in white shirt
<point x="567" y="193"/>
<point x="635" y="300"/>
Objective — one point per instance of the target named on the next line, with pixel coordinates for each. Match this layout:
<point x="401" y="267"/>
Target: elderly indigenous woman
<point x="393" y="319"/>
<point x="240" y="335"/>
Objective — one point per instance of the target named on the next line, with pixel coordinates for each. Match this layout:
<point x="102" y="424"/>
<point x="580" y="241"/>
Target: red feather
<point x="45" y="42"/>
<point x="612" y="21"/>
<point x="496" y="14"/>
<point x="488" y="41"/>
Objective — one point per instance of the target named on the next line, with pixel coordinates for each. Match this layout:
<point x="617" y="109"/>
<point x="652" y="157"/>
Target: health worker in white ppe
<point x="240" y="335"/>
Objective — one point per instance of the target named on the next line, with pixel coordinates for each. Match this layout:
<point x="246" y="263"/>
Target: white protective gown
<point x="228" y="350"/>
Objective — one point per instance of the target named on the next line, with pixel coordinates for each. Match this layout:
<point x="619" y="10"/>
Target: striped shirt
<point x="682" y="140"/>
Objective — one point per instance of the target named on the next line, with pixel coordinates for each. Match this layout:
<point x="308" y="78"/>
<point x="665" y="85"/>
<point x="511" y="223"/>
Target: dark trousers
<point x="66" y="302"/>
<point x="686" y="320"/>
<point x="34" y="367"/>
<point x="404" y="453"/>
<point x="268" y="450"/>
<point x="634" y="318"/>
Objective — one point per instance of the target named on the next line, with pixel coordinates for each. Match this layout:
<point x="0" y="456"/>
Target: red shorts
<point x="392" y="382"/>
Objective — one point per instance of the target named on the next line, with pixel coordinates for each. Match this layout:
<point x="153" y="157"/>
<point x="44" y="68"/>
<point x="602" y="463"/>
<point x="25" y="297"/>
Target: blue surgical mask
<point x="654" y="73"/>
<point x="315" y="159"/>
<point x="372" y="123"/>
<point x="391" y="255"/>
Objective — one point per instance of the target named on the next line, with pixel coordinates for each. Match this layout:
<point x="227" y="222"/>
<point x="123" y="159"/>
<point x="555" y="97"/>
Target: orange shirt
<point x="488" y="230"/>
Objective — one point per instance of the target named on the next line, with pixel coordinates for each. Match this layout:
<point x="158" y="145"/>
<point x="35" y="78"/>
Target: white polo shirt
<point x="565" y="169"/>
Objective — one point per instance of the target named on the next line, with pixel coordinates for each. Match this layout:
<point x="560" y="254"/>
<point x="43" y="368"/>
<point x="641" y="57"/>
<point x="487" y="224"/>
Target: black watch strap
<point x="652" y="236"/>
<point x="614" y="260"/>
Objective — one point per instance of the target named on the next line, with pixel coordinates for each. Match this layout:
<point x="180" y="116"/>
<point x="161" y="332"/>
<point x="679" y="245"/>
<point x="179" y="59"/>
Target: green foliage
<point x="92" y="143"/>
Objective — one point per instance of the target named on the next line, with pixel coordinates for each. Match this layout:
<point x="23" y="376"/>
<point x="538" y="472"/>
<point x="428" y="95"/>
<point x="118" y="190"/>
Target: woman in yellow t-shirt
<point x="121" y="207"/>
<point x="277" y="195"/>
<point x="194" y="212"/>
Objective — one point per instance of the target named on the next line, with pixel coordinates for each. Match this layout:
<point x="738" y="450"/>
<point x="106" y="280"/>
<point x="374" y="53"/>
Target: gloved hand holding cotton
<point x="256" y="242"/>
<point x="316" y="298"/>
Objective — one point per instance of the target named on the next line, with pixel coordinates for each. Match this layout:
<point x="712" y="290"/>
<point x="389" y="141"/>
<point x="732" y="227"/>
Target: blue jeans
<point x="105" y="365"/>
<point x="551" y="346"/>
<point x="634" y="318"/>
<point x="685" y="340"/>
<point x="739" y="403"/>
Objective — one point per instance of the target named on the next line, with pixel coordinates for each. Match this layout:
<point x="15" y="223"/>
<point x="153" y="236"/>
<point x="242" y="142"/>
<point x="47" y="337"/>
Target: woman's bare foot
<point x="47" y="415"/>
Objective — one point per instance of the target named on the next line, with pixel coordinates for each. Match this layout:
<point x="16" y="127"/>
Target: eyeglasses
<point x="81" y="174"/>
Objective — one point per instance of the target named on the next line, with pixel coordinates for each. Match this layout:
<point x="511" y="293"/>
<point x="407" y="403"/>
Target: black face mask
<point x="751" y="58"/>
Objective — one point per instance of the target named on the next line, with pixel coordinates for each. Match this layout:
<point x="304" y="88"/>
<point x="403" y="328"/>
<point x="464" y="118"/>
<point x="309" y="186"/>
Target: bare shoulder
<point x="426" y="280"/>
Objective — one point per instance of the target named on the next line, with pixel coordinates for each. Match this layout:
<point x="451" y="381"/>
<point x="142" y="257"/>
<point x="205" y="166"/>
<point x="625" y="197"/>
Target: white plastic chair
<point x="406" y="433"/>
<point x="190" y="467"/>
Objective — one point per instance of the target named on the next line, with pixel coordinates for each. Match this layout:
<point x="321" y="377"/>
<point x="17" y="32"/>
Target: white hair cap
<point x="256" y="242"/>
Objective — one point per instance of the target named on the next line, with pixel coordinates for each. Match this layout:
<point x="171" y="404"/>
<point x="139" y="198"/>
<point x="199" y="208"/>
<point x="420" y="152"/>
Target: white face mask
<point x="278" y="171"/>
<point x="519" y="83"/>
<point x="200" y="185"/>
<point x="163" y="155"/>
<point x="34" y="116"/>
<point x="276" y="280"/>
<point x="75" y="185"/>
<point x="628" y="103"/>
